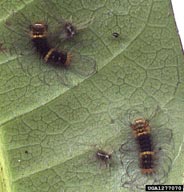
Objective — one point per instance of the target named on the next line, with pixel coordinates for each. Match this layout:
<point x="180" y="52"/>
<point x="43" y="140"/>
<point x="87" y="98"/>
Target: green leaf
<point x="50" y="132"/>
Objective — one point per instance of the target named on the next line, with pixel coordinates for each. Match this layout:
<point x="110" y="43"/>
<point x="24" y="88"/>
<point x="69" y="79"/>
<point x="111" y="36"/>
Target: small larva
<point x="38" y="34"/>
<point x="142" y="133"/>
<point x="115" y="34"/>
<point x="148" y="152"/>
<point x="66" y="29"/>
<point x="104" y="157"/>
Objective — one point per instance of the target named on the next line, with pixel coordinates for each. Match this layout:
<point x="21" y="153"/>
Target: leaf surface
<point x="49" y="131"/>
